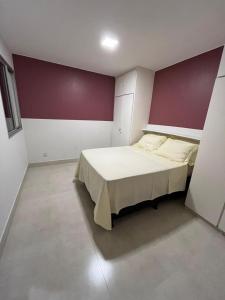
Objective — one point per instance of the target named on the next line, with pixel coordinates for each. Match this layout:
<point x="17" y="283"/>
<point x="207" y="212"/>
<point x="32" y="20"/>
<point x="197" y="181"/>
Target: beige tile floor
<point x="54" y="250"/>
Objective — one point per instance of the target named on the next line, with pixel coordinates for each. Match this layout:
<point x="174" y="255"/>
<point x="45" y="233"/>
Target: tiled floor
<point x="55" y="251"/>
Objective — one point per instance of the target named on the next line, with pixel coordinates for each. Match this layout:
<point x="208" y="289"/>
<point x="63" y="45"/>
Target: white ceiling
<point x="152" y="33"/>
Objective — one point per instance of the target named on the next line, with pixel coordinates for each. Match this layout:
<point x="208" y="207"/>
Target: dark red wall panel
<point x="51" y="91"/>
<point x="182" y="92"/>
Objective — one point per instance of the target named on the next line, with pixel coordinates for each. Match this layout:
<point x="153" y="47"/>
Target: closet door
<point x="123" y="106"/>
<point x="206" y="194"/>
<point x="222" y="222"/>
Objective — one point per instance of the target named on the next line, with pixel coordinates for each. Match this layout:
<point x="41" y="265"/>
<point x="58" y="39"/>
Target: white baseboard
<point x="53" y="162"/>
<point x="5" y="232"/>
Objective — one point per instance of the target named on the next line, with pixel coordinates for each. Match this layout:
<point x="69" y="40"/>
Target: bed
<point x="119" y="177"/>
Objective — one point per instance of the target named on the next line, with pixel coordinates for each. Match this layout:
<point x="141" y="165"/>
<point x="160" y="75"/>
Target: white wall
<point x="13" y="160"/>
<point x="49" y="140"/>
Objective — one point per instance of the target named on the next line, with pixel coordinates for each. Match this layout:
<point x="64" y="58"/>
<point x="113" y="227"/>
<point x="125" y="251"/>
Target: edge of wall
<point x="6" y="229"/>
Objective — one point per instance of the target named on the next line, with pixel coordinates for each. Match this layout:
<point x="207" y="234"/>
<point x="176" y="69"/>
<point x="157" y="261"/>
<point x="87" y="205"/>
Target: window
<point x="9" y="97"/>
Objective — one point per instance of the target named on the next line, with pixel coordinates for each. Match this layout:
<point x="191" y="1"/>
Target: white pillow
<point x="192" y="156"/>
<point x="151" y="141"/>
<point x="176" y="150"/>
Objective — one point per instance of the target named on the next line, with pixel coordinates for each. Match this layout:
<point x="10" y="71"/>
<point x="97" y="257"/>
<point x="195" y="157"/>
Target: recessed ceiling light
<point x="109" y="43"/>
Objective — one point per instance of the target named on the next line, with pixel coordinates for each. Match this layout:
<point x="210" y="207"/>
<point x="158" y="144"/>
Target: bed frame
<point x="193" y="135"/>
<point x="148" y="203"/>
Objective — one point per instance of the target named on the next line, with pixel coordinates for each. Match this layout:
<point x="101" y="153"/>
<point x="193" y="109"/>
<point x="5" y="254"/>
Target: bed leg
<point x="112" y="221"/>
<point x="155" y="205"/>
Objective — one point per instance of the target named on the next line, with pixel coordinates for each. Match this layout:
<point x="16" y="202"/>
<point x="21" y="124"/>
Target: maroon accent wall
<point x="51" y="91"/>
<point x="182" y="92"/>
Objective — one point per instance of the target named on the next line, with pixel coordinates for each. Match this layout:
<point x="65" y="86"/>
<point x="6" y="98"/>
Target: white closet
<point x="133" y="93"/>
<point x="222" y="222"/>
<point x="206" y="195"/>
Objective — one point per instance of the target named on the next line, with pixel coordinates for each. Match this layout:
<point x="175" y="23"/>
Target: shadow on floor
<point x="137" y="228"/>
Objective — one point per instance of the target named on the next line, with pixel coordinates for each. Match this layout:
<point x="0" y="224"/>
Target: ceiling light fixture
<point x="109" y="43"/>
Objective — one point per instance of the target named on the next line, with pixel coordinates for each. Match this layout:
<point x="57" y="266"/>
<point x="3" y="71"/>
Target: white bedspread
<point x="122" y="176"/>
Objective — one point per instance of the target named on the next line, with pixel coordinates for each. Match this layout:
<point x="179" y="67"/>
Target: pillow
<point x="151" y="141"/>
<point x="192" y="156"/>
<point x="176" y="150"/>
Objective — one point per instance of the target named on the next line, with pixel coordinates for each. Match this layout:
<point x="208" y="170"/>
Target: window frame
<point x="12" y="102"/>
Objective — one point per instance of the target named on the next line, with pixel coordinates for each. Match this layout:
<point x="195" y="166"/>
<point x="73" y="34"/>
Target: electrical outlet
<point x="45" y="154"/>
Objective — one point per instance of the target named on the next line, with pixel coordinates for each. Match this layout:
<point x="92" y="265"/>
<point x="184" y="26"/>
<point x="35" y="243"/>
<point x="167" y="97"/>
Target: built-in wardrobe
<point x="133" y="94"/>
<point x="206" y="194"/>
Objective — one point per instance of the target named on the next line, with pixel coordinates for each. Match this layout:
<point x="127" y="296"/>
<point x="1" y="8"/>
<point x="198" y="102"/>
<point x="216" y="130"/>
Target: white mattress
<point x="122" y="176"/>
